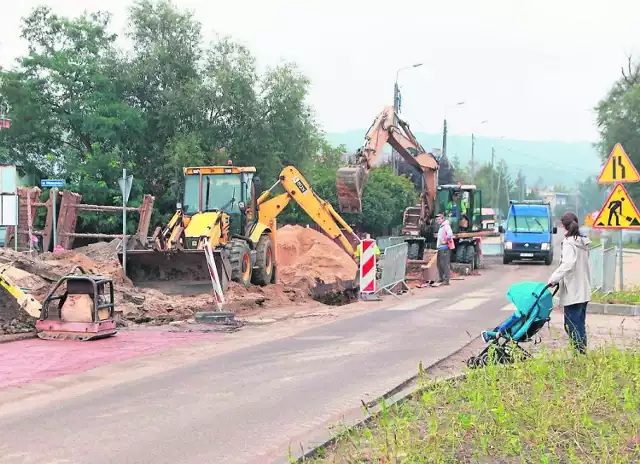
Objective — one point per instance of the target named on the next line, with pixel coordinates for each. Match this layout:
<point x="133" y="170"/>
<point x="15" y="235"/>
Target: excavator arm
<point x="351" y="179"/>
<point x="298" y="189"/>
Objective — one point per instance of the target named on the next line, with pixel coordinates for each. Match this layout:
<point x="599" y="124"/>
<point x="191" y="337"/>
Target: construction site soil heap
<point x="306" y="257"/>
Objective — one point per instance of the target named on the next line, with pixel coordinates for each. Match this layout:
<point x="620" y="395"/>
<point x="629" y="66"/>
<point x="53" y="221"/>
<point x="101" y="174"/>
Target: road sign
<point x="52" y="183"/>
<point x="125" y="187"/>
<point x="618" y="168"/>
<point x="618" y="212"/>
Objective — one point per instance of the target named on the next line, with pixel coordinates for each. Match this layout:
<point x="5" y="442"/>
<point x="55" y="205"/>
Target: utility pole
<point x="491" y="176"/>
<point x="444" y="139"/>
<point x="577" y="199"/>
<point x="473" y="157"/>
<point x="396" y="109"/>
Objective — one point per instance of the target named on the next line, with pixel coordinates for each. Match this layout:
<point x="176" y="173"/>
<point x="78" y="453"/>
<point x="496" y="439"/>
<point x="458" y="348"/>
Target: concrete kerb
<point x="17" y="337"/>
<point x="609" y="309"/>
<point x="613" y="309"/>
<point x="396" y="396"/>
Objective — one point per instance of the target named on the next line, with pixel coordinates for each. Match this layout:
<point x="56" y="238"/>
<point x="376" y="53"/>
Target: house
<point x="554" y="198"/>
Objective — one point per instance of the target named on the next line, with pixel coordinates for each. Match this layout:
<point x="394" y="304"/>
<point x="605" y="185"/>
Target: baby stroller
<point x="534" y="303"/>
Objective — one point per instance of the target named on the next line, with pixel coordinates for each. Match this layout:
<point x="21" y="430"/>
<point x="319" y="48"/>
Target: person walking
<point x="574" y="280"/>
<point x="445" y="239"/>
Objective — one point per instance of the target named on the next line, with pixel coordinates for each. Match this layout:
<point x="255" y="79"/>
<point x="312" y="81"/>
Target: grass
<point x="556" y="408"/>
<point x="628" y="296"/>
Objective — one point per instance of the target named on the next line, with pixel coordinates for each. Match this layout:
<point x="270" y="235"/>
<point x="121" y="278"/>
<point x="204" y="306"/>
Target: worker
<point x="444" y="245"/>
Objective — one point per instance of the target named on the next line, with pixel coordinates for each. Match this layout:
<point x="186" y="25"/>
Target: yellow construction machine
<point x="223" y="207"/>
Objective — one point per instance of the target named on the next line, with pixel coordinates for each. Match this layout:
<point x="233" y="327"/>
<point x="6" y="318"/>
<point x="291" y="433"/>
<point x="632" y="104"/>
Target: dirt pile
<point x="305" y="255"/>
<point x="13" y="319"/>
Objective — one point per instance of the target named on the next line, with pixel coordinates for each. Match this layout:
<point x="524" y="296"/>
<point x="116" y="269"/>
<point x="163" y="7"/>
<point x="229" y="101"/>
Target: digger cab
<point x="80" y="306"/>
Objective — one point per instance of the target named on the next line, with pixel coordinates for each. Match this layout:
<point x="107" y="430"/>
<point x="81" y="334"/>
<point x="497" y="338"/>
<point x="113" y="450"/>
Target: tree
<point x="446" y="174"/>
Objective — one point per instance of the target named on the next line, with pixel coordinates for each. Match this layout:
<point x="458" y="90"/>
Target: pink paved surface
<point x="35" y="360"/>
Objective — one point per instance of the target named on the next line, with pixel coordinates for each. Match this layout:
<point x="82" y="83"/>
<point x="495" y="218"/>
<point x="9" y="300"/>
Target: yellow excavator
<point x="223" y="206"/>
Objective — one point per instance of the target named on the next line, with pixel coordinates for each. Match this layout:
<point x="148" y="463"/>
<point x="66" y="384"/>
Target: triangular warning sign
<point x="618" y="212"/>
<point x="618" y="168"/>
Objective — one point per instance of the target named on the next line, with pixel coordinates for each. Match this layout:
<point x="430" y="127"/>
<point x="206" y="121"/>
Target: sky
<point x="534" y="70"/>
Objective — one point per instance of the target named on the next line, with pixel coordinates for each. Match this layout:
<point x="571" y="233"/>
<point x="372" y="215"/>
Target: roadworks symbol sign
<point x="618" y="168"/>
<point x="618" y="212"/>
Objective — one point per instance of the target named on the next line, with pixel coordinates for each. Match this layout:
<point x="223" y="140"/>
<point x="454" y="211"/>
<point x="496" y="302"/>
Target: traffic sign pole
<point x="54" y="198"/>
<point x="124" y="225"/>
<point x="621" y="283"/>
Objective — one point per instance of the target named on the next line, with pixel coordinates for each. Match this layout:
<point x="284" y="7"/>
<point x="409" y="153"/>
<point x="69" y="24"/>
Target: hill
<point x="554" y="162"/>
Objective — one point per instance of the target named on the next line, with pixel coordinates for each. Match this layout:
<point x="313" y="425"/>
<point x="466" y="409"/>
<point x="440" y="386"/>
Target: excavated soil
<point x="12" y="319"/>
<point x="306" y="258"/>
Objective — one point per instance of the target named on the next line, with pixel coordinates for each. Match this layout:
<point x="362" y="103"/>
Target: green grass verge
<point x="556" y="408"/>
<point x="628" y="296"/>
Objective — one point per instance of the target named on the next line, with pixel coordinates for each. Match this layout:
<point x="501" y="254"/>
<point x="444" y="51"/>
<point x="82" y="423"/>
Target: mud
<point x="13" y="320"/>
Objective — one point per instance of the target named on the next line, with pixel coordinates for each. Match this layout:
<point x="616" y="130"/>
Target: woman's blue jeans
<point x="575" y="325"/>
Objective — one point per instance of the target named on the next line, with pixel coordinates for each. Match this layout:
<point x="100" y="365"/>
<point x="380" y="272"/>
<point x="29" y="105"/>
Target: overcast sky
<point x="533" y="69"/>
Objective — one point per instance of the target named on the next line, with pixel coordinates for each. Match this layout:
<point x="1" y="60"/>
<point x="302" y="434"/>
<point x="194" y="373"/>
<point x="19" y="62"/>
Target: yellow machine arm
<point x="25" y="300"/>
<point x="297" y="189"/>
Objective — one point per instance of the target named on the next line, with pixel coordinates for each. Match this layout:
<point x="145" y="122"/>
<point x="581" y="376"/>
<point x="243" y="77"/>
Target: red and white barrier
<point x="368" y="267"/>
<point x="215" y="277"/>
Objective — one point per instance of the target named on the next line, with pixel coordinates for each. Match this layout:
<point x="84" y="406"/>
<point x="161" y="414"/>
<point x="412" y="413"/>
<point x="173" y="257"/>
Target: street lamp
<point x="396" y="107"/>
<point x="444" y="127"/>
<point x="473" y="152"/>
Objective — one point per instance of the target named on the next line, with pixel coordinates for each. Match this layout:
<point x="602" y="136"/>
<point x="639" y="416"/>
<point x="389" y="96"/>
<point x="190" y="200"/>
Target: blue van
<point x="528" y="235"/>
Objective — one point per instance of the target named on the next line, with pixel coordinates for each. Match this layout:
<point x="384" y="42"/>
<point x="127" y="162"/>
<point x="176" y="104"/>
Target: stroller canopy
<point x="524" y="295"/>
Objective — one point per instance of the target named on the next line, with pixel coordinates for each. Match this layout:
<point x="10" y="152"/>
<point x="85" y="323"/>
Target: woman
<point x="574" y="280"/>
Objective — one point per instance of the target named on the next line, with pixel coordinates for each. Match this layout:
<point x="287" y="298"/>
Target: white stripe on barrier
<point x="215" y="276"/>
<point x="367" y="266"/>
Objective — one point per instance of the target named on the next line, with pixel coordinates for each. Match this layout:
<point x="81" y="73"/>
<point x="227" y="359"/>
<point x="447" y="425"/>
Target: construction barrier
<point x="602" y="268"/>
<point x="385" y="242"/>
<point x="394" y="269"/>
<point x="368" y="268"/>
<point x="609" y="263"/>
<point x="595" y="267"/>
<point x="215" y="276"/>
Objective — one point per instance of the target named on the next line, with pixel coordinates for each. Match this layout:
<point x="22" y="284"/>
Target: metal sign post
<point x="54" y="185"/>
<point x="125" y="189"/>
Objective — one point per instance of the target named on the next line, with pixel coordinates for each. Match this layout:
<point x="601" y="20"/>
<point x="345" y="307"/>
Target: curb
<point x="397" y="395"/>
<point x="613" y="309"/>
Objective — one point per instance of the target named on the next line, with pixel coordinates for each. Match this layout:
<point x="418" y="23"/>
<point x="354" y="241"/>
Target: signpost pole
<point x="54" y="198"/>
<point x="621" y="284"/>
<point x="124" y="224"/>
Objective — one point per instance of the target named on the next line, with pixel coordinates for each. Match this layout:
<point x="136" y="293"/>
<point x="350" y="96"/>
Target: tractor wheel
<point x="469" y="256"/>
<point x="414" y="251"/>
<point x="263" y="269"/>
<point x="240" y="259"/>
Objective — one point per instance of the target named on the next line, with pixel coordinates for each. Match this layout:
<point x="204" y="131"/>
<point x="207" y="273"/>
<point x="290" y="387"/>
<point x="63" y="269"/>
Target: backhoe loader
<point x="222" y="206"/>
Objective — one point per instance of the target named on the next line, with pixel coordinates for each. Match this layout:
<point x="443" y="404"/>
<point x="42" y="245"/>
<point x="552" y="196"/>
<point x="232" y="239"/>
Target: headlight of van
<point x="508" y="245"/>
<point x="545" y="246"/>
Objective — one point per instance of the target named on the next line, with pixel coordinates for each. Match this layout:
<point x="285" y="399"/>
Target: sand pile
<point x="305" y="255"/>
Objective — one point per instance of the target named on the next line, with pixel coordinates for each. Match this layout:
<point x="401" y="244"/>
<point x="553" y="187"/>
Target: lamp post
<point x="397" y="104"/>
<point x="473" y="152"/>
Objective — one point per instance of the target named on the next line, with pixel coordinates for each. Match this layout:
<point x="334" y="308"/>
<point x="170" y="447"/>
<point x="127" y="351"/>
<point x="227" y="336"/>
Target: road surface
<point x="198" y="404"/>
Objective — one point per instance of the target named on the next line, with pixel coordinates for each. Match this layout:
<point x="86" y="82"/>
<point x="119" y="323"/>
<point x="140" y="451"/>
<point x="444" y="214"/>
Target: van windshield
<point x="525" y="223"/>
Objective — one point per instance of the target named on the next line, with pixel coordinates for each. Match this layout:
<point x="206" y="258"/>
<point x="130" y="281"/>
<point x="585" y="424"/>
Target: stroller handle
<point x="548" y="286"/>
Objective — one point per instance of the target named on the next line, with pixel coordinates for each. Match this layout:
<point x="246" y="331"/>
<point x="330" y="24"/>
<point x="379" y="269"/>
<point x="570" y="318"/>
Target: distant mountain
<point x="552" y="162"/>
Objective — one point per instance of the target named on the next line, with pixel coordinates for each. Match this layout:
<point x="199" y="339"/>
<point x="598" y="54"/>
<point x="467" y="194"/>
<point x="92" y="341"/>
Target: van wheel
<point x="506" y="260"/>
<point x="548" y="260"/>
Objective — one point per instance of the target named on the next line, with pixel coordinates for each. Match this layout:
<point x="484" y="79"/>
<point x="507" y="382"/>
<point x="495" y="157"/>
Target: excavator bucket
<point x="349" y="183"/>
<point x="181" y="272"/>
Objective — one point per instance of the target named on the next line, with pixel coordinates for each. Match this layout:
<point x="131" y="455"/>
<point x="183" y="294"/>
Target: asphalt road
<point x="251" y="404"/>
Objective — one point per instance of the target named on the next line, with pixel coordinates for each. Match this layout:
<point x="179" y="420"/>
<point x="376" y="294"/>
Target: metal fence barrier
<point x="602" y="268"/>
<point x="595" y="267"/>
<point x="609" y="260"/>
<point x="394" y="268"/>
<point x="385" y="242"/>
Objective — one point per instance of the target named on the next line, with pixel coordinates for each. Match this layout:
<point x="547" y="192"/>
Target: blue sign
<point x="52" y="183"/>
